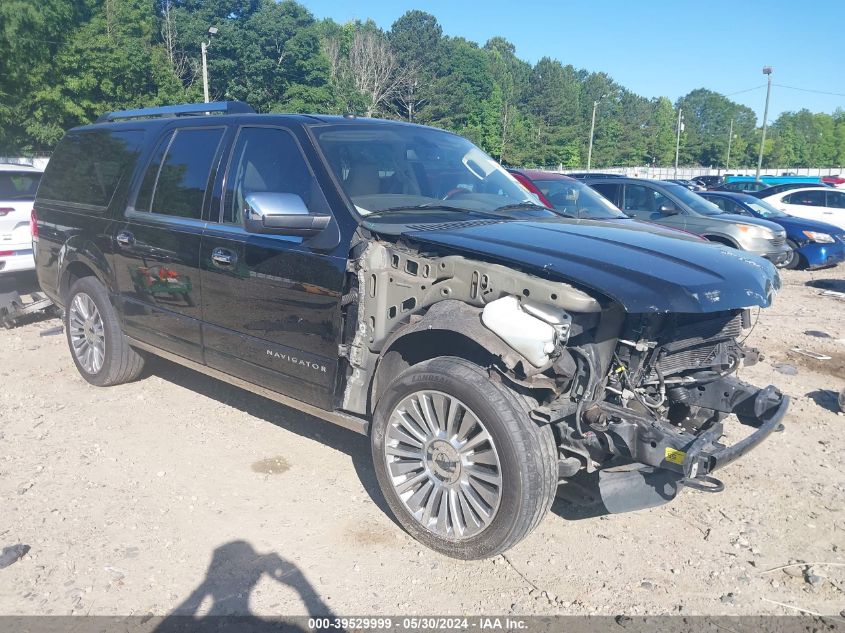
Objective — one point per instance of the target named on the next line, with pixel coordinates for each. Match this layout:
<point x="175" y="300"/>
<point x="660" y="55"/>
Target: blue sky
<point x="656" y="47"/>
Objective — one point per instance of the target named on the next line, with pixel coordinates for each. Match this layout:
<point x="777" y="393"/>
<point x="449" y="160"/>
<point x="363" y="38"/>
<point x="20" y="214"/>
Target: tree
<point x="111" y="62"/>
<point x="511" y="76"/>
<point x="707" y="117"/>
<point x="374" y="69"/>
<point x="660" y="147"/>
<point x="554" y="103"/>
<point x="31" y="34"/>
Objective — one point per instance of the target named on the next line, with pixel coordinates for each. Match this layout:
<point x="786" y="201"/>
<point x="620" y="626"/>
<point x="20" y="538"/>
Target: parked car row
<point x="803" y="227"/>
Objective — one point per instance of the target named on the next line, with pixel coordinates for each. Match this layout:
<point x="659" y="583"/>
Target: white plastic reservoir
<point x="528" y="335"/>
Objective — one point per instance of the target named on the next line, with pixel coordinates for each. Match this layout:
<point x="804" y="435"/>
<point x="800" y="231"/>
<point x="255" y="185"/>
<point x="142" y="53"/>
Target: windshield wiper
<point x="428" y="206"/>
<point x="532" y="206"/>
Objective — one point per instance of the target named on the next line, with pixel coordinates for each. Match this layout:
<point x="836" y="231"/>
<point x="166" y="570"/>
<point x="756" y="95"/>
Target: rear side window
<point x="18" y="185"/>
<point x="177" y="176"/>
<point x="87" y="166"/>
<point x="836" y="199"/>
<point x="813" y="198"/>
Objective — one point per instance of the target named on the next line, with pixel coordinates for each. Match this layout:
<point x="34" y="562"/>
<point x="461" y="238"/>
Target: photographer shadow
<point x="221" y="601"/>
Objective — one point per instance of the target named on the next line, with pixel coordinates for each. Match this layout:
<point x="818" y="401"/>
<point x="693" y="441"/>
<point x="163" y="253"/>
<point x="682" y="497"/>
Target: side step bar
<point x="347" y="421"/>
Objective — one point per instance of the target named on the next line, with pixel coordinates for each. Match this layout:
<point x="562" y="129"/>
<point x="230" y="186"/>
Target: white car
<point x="814" y="203"/>
<point x="18" y="184"/>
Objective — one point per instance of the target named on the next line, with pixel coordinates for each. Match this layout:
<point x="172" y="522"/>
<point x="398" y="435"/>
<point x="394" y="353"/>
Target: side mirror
<point x="281" y="213"/>
<point x="668" y="209"/>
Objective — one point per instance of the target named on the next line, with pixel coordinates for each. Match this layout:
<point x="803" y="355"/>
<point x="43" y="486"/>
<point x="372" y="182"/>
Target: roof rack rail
<point x="185" y="109"/>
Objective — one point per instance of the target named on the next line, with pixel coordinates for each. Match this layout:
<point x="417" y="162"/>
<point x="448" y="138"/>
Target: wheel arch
<point x="83" y="260"/>
<point x="449" y="328"/>
<point x="720" y="239"/>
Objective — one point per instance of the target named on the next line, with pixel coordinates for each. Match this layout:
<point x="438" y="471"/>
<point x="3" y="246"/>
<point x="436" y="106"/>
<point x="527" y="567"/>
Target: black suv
<point x="395" y="280"/>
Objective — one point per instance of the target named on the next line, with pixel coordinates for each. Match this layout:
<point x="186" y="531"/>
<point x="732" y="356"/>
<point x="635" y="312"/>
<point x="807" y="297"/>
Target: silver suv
<point x="676" y="206"/>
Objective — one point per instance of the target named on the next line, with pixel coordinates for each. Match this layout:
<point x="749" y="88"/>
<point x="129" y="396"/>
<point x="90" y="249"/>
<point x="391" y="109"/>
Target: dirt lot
<point x="182" y="494"/>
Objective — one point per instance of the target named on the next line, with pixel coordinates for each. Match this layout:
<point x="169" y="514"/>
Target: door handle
<point x="125" y="238"/>
<point x="223" y="257"/>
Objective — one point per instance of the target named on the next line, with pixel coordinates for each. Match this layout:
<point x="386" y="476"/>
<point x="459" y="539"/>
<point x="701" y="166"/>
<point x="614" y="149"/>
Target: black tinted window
<point x="266" y="159"/>
<point x="814" y="198"/>
<point x="836" y="199"/>
<point x="18" y="185"/>
<point x="145" y="193"/>
<point x="87" y="166"/>
<point x="720" y="202"/>
<point x="183" y="176"/>
<point x="608" y="191"/>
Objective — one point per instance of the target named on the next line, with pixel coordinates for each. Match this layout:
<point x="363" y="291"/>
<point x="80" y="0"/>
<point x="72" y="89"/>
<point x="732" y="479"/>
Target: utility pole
<point x="212" y="31"/>
<point x="767" y="70"/>
<point x="678" y="140"/>
<point x="204" y="72"/>
<point x="592" y="131"/>
<point x="730" y="138"/>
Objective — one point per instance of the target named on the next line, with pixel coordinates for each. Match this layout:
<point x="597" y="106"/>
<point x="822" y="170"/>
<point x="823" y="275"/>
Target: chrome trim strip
<point x="347" y="421"/>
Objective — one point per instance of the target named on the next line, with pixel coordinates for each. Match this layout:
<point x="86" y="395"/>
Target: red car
<point x="835" y="181"/>
<point x="574" y="199"/>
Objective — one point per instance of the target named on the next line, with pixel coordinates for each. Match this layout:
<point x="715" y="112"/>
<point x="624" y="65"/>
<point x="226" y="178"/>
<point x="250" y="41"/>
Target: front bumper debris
<point x="640" y="439"/>
<point x="655" y="461"/>
<point x="706" y="454"/>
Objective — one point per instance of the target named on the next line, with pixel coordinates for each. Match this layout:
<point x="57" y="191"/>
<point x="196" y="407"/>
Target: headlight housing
<point x="753" y="230"/>
<point x="821" y="238"/>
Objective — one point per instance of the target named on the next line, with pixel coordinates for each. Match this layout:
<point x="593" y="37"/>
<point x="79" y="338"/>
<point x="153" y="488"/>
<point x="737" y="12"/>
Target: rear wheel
<point x="460" y="463"/>
<point x="96" y="341"/>
<point x="794" y="260"/>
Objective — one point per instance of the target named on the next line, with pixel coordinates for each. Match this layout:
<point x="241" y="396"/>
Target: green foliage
<point x="64" y="62"/>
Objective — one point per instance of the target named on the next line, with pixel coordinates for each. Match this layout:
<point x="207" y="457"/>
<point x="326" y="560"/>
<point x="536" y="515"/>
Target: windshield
<point x="693" y="200"/>
<point x="578" y="200"/>
<point x="18" y="185"/>
<point x="385" y="168"/>
<point x="763" y="208"/>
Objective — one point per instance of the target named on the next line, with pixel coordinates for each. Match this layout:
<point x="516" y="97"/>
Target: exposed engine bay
<point x="625" y="393"/>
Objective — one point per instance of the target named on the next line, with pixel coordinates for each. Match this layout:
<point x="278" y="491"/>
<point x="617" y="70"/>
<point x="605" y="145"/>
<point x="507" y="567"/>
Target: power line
<point x="739" y="92"/>
<point x="821" y="92"/>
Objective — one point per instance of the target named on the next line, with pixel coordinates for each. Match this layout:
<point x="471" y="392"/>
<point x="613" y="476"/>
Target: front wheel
<point x="461" y="465"/>
<point x="794" y="260"/>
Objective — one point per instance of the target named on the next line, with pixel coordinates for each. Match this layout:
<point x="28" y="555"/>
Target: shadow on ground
<point x="825" y="398"/>
<point x="338" y="438"/>
<point x="837" y="285"/>
<point x="221" y="601"/>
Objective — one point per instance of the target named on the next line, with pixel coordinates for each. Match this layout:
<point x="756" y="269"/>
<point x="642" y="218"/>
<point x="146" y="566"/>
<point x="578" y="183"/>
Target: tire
<point x="794" y="260"/>
<point x="453" y="482"/>
<point x="95" y="338"/>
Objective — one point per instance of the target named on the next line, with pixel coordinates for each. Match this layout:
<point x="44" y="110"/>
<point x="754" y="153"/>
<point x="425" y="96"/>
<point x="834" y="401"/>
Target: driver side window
<point x="268" y="160"/>
<point x="644" y="201"/>
<point x="720" y="202"/>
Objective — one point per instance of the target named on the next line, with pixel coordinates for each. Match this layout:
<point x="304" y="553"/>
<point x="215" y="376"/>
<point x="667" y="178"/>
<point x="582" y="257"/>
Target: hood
<point x="642" y="270"/>
<point x="795" y="225"/>
<point x="745" y="219"/>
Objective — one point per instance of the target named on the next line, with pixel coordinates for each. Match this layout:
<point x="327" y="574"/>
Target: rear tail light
<point x="33" y="224"/>
<point x="6" y="253"/>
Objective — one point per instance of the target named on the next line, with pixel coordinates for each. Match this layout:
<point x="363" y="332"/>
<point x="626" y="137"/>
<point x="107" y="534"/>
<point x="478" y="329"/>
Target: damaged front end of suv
<point x="501" y="348"/>
<point x="626" y="351"/>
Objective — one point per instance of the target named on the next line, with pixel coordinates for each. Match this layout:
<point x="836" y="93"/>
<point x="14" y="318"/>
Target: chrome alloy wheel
<point x="87" y="335"/>
<point x="443" y="464"/>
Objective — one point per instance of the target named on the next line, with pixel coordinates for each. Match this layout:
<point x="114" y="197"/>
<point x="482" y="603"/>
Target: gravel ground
<point x="181" y="494"/>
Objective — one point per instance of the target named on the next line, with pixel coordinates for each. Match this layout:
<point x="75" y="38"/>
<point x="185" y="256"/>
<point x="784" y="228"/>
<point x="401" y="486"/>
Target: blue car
<point x="814" y="244"/>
